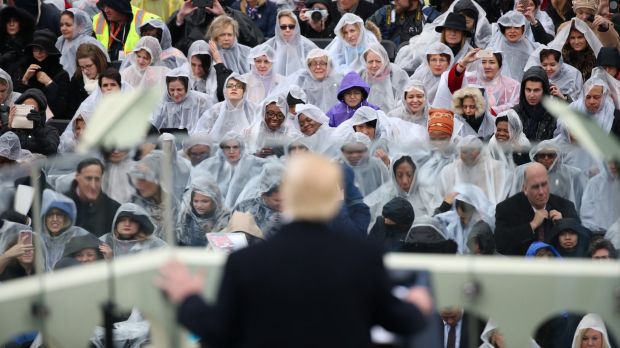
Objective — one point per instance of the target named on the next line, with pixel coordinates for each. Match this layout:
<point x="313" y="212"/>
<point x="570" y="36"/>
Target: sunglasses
<point x="287" y="26"/>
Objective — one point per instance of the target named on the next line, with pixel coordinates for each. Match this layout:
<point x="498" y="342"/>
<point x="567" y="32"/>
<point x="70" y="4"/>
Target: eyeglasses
<point x="230" y="148"/>
<point x="287" y="26"/>
<point x="275" y="115"/>
<point x="317" y="64"/>
<point x="86" y="67"/>
<point x="234" y="86"/>
<point x="546" y="155"/>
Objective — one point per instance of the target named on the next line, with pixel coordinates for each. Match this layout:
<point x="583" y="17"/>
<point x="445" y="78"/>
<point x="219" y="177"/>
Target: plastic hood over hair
<point x="151" y="45"/>
<point x="515" y="128"/>
<point x="319" y="53"/>
<point x="590" y="321"/>
<point x="379" y="50"/>
<point x="148" y="168"/>
<point x="424" y="73"/>
<point x="357" y="138"/>
<point x="604" y="116"/>
<point x="312" y="112"/>
<point x="269" y="179"/>
<point x="6" y="78"/>
<point x="54" y="200"/>
<point x="469" y="142"/>
<point x="280" y="103"/>
<point x="298" y="93"/>
<point x="387" y="83"/>
<point x="259" y="51"/>
<point x="404" y="112"/>
<point x="138" y="214"/>
<point x="349" y="19"/>
<point x="428" y="222"/>
<point x="208" y="85"/>
<point x="9" y="234"/>
<point x="567" y="78"/>
<point x="364" y="114"/>
<point x="166" y="38"/>
<point x="199" y="138"/>
<point x="10" y="147"/>
<point x="349" y="57"/>
<point x="561" y="38"/>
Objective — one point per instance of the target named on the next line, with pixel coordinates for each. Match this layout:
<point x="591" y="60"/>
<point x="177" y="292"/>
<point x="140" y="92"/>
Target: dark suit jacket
<point x="364" y="10"/>
<point x="469" y="322"/>
<point x="308" y="286"/>
<point x="513" y="234"/>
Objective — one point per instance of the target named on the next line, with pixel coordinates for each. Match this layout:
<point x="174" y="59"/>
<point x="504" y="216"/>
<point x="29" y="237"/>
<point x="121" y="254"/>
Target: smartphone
<point x="202" y="3"/>
<point x="484" y="54"/>
<point x="20" y="119"/>
<point x="25" y="237"/>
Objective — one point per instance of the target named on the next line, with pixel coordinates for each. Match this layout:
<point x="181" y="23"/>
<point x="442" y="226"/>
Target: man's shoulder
<point x="512" y="201"/>
<point x="558" y="202"/>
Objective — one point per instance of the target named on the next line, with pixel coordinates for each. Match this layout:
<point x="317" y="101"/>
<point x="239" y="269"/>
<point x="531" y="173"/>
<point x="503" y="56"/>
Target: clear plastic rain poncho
<point x="82" y="33"/>
<point x="484" y="210"/>
<point x="515" y="54"/>
<point x="259" y="86"/>
<point x="488" y="331"/>
<point x="370" y="172"/>
<point x="432" y="159"/>
<point x="604" y="116"/>
<point x="290" y="56"/>
<point x="116" y="183"/>
<point x="543" y="18"/>
<point x="321" y="140"/>
<point x="590" y="321"/>
<point x="9" y="234"/>
<point x="92" y="101"/>
<point x="567" y="78"/>
<point x="502" y="92"/>
<point x="388" y="191"/>
<point x="11" y="95"/>
<point x="184" y="114"/>
<point x="132" y="333"/>
<point x="387" y="83"/>
<point x="149" y="169"/>
<point x="412" y="55"/>
<point x="403" y="111"/>
<point x="613" y="234"/>
<point x="198" y="138"/>
<point x="348" y="57"/>
<point x="424" y="73"/>
<point x="225" y="116"/>
<point x="193" y="226"/>
<point x="208" y="84"/>
<point x="518" y="142"/>
<point x="600" y="203"/>
<point x="146" y="240"/>
<point x="564" y="181"/>
<point x="235" y="57"/>
<point x="251" y="199"/>
<point x="10" y="147"/>
<point x="171" y="57"/>
<point x="384" y="133"/>
<point x="56" y="244"/>
<point x="475" y="166"/>
<point x="152" y="75"/>
<point x="68" y="139"/>
<point x="260" y="136"/>
<point x="231" y="177"/>
<point x="561" y="42"/>
<point x="181" y="167"/>
<point x="574" y="155"/>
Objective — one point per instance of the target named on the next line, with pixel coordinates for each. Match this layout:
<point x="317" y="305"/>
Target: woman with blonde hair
<point x="223" y="33"/>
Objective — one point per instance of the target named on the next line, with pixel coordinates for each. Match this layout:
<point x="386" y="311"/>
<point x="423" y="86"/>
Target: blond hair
<point x="219" y="24"/>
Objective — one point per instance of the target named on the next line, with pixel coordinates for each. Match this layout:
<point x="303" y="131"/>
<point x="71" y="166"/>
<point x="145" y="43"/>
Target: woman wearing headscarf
<point x="70" y="139"/>
<point x="386" y="80"/>
<point x="314" y="126"/>
<point x="202" y="211"/>
<point x="470" y="206"/>
<point x="475" y="166"/>
<point x="591" y="332"/>
<point x="44" y="72"/>
<point x="370" y="172"/>
<point x="206" y="74"/>
<point x="597" y="17"/>
<point x="262" y="78"/>
<point x="414" y="104"/>
<point x="171" y="57"/>
<point x="290" y="46"/>
<point x="351" y="40"/>
<point x="439" y="59"/>
<point x="146" y="68"/>
<point x="198" y="147"/>
<point x="595" y="102"/>
<point x="470" y="106"/>
<point x="133" y="231"/>
<point x="16" y="29"/>
<point x="508" y="142"/>
<point x="181" y="107"/>
<point x="540" y="28"/>
<point x="76" y="27"/>
<point x="17" y="251"/>
<point x="566" y="79"/>
<point x="91" y="61"/>
<point x="271" y="132"/>
<point x="223" y="33"/>
<point x="232" y="167"/>
<point x="601" y="199"/>
<point x="116" y="182"/>
<point x="579" y="46"/>
<point x="236" y="113"/>
<point x="58" y="213"/>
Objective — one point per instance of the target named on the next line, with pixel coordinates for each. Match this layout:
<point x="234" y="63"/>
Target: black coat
<point x="470" y="322"/>
<point x="96" y="217"/>
<point x="308" y="286"/>
<point x="364" y="10"/>
<point x="57" y="92"/>
<point x="77" y="94"/>
<point x="513" y="233"/>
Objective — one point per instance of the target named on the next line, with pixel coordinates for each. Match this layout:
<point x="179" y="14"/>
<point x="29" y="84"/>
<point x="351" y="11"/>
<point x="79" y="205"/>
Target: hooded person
<point x="385" y="80"/>
<point x="374" y="124"/>
<point x="76" y="29"/>
<point x="427" y="235"/>
<point x="181" y="107"/>
<point x="564" y="181"/>
<point x="581" y="51"/>
<point x="262" y="78"/>
<point x="14" y="38"/>
<point x="609" y="59"/>
<point x="352" y="39"/>
<point x="437" y="59"/>
<point x="146" y="68"/>
<point x="565" y="77"/>
<point x="314" y="126"/>
<point x="596" y="102"/>
<point x="352" y="94"/>
<point x="542" y="249"/>
<point x="469" y="207"/>
<point x="79" y="123"/>
<point x="10" y="149"/>
<point x="43" y="71"/>
<point x="508" y="141"/>
<point x="470" y="106"/>
<point x="59" y="215"/>
<point x="197" y="148"/>
<point x="591" y="329"/>
<point x="83" y="249"/>
<point x="41" y="138"/>
<point x="116" y="182"/>
<point x="370" y="172"/>
<point x="9" y="96"/>
<point x="538" y="124"/>
<point x="232" y="167"/>
<point x="601" y="199"/>
<point x="132" y="232"/>
<point x="475" y="166"/>
<point x="235" y="114"/>
<point x="46" y="15"/>
<point x="171" y="57"/>
<point x="290" y="46"/>
<point x="391" y="228"/>
<point x="17" y="258"/>
<point x="205" y="75"/>
<point x="481" y="240"/>
<point x="269" y="134"/>
<point x="202" y="211"/>
<point x="492" y="337"/>
<point x="261" y="198"/>
<point x="414" y="103"/>
<point x="570" y="238"/>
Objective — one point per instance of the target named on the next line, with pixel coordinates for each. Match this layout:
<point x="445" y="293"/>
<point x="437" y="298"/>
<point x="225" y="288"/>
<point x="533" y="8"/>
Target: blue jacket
<point x="265" y="18"/>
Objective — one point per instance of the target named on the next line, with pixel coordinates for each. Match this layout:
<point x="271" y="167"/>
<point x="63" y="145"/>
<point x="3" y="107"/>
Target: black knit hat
<point x="46" y="40"/>
<point x="608" y="56"/>
<point x="454" y="21"/>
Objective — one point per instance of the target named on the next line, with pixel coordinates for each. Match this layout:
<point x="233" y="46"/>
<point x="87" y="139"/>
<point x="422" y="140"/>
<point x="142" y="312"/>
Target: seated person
<point x="602" y="249"/>
<point x="541" y="249"/>
<point x="353" y="93"/>
<point x="570" y="238"/>
<point x="392" y="226"/>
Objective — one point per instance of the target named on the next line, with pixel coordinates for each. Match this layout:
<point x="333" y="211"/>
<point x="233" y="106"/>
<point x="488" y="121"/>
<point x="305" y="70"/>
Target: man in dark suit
<point x="308" y="286"/>
<point x="529" y="216"/>
<point x="456" y="326"/>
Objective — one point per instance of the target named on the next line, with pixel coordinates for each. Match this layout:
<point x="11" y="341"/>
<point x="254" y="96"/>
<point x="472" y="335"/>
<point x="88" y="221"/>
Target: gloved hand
<point x="37" y="118"/>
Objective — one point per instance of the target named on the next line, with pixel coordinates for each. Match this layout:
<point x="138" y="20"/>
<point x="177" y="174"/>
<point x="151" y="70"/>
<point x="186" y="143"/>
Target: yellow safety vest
<point x="100" y="26"/>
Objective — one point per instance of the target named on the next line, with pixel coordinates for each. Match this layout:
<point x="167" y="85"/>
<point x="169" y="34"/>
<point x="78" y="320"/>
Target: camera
<point x="316" y="14"/>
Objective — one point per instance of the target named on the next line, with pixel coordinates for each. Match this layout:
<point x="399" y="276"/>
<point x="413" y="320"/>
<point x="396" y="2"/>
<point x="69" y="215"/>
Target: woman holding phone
<point x="16" y="251"/>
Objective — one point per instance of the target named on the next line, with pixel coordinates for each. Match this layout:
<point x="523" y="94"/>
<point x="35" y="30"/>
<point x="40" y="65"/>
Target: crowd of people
<point x="434" y="111"/>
